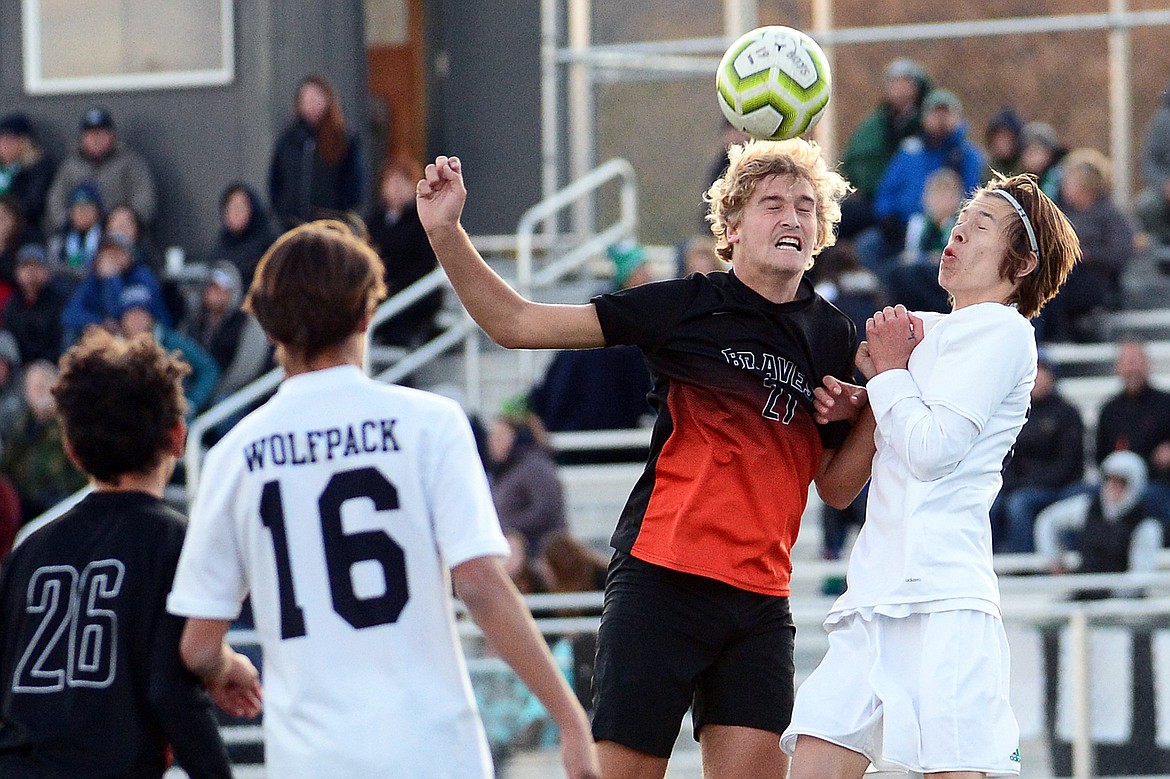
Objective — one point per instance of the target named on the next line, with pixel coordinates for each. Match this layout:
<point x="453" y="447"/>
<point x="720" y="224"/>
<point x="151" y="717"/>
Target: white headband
<point x="1027" y="222"/>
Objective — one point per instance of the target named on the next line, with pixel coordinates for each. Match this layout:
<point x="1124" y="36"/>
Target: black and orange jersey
<point x="735" y="446"/>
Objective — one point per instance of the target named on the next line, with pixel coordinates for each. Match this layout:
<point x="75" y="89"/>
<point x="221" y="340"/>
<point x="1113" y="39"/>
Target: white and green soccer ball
<point x="774" y="83"/>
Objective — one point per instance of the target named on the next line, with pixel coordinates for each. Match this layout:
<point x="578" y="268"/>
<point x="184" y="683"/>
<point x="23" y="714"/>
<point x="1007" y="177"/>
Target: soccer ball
<point x="774" y="83"/>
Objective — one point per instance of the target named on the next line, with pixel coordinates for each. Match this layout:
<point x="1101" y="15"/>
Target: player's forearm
<point x="492" y="303"/>
<point x="843" y="476"/>
<point x="498" y="609"/>
<point x="203" y="649"/>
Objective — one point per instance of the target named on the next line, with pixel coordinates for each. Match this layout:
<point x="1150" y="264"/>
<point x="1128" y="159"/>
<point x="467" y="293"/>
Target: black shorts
<point x="669" y="640"/>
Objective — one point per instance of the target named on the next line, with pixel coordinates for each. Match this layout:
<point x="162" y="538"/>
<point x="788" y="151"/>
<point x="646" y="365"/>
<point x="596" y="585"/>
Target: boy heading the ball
<point x="696" y="609"/>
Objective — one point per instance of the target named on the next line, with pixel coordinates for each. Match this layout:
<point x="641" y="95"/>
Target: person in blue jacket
<point x="943" y="143"/>
<point x="97" y="299"/>
<point x="136" y="315"/>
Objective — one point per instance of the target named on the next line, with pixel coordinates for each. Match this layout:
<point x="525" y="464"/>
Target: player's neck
<point x="351" y="351"/>
<point x="153" y="482"/>
<point x="775" y="286"/>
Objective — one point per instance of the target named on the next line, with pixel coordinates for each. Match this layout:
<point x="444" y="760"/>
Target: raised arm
<point x="496" y="607"/>
<point x="508" y="318"/>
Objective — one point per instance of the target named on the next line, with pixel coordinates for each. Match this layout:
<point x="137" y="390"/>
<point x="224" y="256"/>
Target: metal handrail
<point x="624" y="227"/>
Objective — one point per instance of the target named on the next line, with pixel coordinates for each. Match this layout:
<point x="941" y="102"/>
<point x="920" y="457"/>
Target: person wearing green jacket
<point x="876" y="138"/>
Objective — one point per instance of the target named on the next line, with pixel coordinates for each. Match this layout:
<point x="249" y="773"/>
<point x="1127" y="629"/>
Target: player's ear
<point x="1030" y="264"/>
<point x="72" y="455"/>
<point x="177" y="439"/>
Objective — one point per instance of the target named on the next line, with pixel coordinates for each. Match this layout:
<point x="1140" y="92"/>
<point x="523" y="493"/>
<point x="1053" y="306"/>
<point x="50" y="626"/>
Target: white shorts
<point x="925" y="692"/>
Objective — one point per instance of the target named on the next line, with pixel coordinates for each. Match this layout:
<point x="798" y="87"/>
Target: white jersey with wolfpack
<point x="340" y="505"/>
<point x="926" y="542"/>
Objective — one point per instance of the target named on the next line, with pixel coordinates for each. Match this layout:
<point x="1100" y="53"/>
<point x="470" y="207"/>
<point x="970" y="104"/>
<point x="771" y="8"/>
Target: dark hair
<point x="1059" y="246"/>
<point x="331" y="129"/>
<point x="119" y="400"/>
<point x="314" y="286"/>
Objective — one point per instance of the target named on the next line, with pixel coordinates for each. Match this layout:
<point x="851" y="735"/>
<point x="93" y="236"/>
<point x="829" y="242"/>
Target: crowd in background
<point x="76" y="251"/>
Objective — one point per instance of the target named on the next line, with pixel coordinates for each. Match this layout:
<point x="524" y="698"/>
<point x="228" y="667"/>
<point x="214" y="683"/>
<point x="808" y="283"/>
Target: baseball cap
<point x="134" y="296"/>
<point x="85" y="192"/>
<point x="33" y="252"/>
<point x="15" y="124"/>
<point x="942" y="98"/>
<point x="224" y="275"/>
<point x="97" y="118"/>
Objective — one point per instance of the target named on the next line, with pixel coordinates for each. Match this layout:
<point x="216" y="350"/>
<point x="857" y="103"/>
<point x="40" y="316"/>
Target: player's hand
<point x="892" y="334"/>
<point x="236" y="688"/>
<point x="441" y="194"/>
<point x="863" y="361"/>
<point x="579" y="753"/>
<point x="838" y="401"/>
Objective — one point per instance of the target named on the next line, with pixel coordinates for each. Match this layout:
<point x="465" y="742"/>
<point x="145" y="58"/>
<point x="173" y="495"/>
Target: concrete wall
<point x="199" y="139"/>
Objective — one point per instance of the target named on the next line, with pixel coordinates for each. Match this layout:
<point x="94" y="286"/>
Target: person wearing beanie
<point x="1041" y="154"/>
<point x="233" y="338"/>
<point x="120" y="173"/>
<point x="1001" y="139"/>
<point x="26" y="172"/>
<point x="876" y="138"/>
<point x="630" y="267"/>
<point x="74" y="245"/>
<point x="33" y="312"/>
<point x="1115" y="533"/>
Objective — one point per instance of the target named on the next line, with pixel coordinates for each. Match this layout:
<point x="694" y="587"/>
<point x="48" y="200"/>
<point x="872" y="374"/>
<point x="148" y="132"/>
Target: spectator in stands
<point x="118" y="172"/>
<point x="125" y="221"/>
<point x="1138" y="419"/>
<point x="247" y="230"/>
<point x="13" y="234"/>
<point x="75" y="244"/>
<point x="407" y="256"/>
<point x="1041" y="152"/>
<point x="841" y="279"/>
<point x="914" y="281"/>
<point x="97" y="300"/>
<point x="942" y="143"/>
<point x="33" y="313"/>
<point x="34" y="458"/>
<point x="136" y="316"/>
<point x="1047" y="463"/>
<point x="1152" y="207"/>
<point x="1002" y="141"/>
<point x="11" y="389"/>
<point x="1107" y="245"/>
<point x="572" y="566"/>
<point x="521" y="566"/>
<point x="599" y="389"/>
<point x="233" y="338"/>
<point x="1113" y="530"/>
<point x="526" y="487"/>
<point x="25" y="171"/>
<point x="697" y="255"/>
<point x="877" y="137"/>
<point x="317" y="167"/>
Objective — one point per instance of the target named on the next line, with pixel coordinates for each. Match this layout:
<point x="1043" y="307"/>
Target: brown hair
<point x="331" y="129"/>
<point x="119" y="400"/>
<point x="1059" y="246"/>
<point x="572" y="566"/>
<point x="751" y="162"/>
<point x="314" y="286"/>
